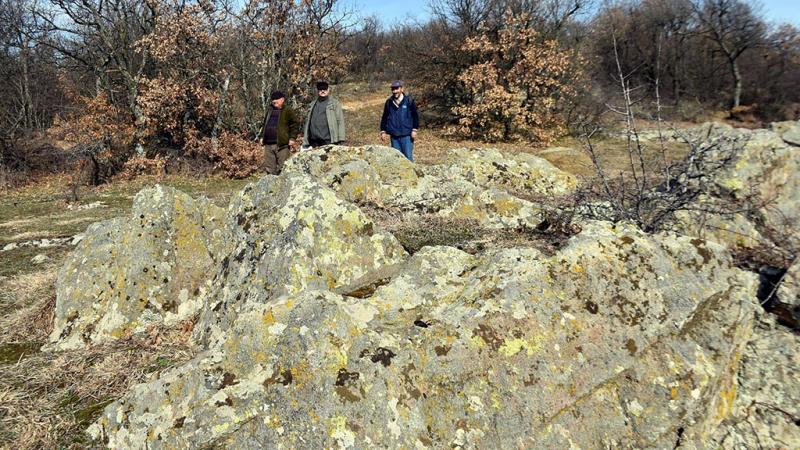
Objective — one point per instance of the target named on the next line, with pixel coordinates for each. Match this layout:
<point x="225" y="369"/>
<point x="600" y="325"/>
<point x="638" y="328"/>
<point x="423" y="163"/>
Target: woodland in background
<point x="121" y="87"/>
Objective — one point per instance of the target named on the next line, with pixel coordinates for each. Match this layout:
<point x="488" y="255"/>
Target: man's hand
<point x="383" y="136"/>
<point x="413" y="135"/>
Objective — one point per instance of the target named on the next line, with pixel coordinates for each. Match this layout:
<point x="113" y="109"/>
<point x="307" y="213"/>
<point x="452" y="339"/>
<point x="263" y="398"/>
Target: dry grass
<point x="50" y="398"/>
<point x="417" y="231"/>
<point x="363" y="116"/>
<point x="28" y="303"/>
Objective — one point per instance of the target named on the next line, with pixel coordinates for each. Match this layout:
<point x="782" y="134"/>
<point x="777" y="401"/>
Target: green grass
<point x="43" y="213"/>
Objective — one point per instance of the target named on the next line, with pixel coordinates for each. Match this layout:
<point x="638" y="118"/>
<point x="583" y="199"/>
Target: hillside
<point x="360" y="300"/>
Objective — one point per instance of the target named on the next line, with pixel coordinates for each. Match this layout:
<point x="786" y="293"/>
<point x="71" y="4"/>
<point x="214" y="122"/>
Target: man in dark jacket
<point x="400" y="121"/>
<point x="281" y="128"/>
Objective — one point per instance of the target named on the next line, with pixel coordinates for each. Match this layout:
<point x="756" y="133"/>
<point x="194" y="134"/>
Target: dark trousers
<point x="314" y="142"/>
<point x="274" y="157"/>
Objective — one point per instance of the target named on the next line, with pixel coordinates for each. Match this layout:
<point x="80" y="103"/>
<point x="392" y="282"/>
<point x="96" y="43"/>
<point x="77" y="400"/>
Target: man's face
<point x="397" y="91"/>
<point x="323" y="92"/>
<point x="278" y="104"/>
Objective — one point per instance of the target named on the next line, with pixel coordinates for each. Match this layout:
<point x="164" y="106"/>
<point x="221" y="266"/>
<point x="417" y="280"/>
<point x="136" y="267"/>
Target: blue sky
<point x="390" y="11"/>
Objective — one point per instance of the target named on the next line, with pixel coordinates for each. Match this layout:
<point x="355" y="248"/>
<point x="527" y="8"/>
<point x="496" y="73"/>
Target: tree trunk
<point x="27" y="100"/>
<point x="220" y="107"/>
<point x="138" y="116"/>
<point x="737" y="83"/>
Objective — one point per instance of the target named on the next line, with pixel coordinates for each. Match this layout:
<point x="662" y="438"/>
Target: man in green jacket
<point x="325" y="120"/>
<point x="281" y="129"/>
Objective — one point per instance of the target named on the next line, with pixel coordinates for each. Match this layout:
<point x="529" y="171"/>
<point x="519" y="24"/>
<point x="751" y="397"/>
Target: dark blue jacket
<point x="400" y="120"/>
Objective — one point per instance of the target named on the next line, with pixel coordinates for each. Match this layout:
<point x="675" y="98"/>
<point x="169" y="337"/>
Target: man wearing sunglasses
<point x="325" y="120"/>
<point x="400" y="121"/>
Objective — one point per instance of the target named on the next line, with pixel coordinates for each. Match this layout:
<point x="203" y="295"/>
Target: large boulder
<point x="734" y="230"/>
<point x="767" y="405"/>
<point x="515" y="172"/>
<point x="619" y="339"/>
<point x="292" y="235"/>
<point x="765" y="172"/>
<point x="383" y="177"/>
<point x="149" y="267"/>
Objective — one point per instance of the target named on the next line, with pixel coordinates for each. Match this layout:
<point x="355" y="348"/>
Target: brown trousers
<point x="274" y="157"/>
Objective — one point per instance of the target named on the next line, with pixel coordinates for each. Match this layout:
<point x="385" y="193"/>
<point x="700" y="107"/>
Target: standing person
<point x="325" y="120"/>
<point x="400" y="120"/>
<point x="281" y="128"/>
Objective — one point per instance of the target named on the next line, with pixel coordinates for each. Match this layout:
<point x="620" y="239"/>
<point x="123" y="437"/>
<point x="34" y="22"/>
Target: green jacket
<point x="335" y="117"/>
<point x="288" y="125"/>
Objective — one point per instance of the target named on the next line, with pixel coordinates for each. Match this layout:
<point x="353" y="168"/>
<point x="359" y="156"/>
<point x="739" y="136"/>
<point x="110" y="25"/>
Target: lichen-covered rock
<point x="292" y="234"/>
<point x="789" y="131"/>
<point x="771" y="169"/>
<point x="619" y="339"/>
<point x="789" y="289"/>
<point x="765" y="171"/>
<point x="732" y="230"/>
<point x="382" y="176"/>
<point x="767" y="404"/>
<point x="514" y="172"/>
<point x="146" y="268"/>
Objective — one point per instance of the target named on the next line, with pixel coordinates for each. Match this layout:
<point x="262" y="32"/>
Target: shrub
<point x="520" y="88"/>
<point x="140" y="165"/>
<point x="233" y="155"/>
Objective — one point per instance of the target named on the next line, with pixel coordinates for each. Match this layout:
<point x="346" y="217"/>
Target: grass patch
<point x="19" y="260"/>
<point x="14" y="352"/>
<point x="48" y="399"/>
<point x="415" y="231"/>
<point x="37" y="212"/>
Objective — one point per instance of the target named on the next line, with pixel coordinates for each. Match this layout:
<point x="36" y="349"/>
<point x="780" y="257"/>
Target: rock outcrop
<point x="315" y="328"/>
<point x="292" y="235"/>
<point x="146" y="268"/>
<point x="516" y="172"/>
<point x="509" y="348"/>
<point x="767" y="406"/>
<point x="475" y="188"/>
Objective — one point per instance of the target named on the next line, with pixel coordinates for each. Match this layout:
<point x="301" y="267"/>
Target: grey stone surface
<point x="789" y="289"/>
<point x="475" y="190"/>
<point x="620" y="339"/>
<point x="767" y="405"/>
<point x="146" y="268"/>
<point x="766" y="174"/>
<point x="789" y="131"/>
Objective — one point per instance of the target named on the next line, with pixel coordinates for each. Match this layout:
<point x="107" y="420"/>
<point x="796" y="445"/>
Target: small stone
<point x="40" y="258"/>
<point x="792" y="135"/>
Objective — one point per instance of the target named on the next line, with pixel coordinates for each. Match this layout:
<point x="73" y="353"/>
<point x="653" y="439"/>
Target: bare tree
<point x="100" y="36"/>
<point x="735" y="27"/>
